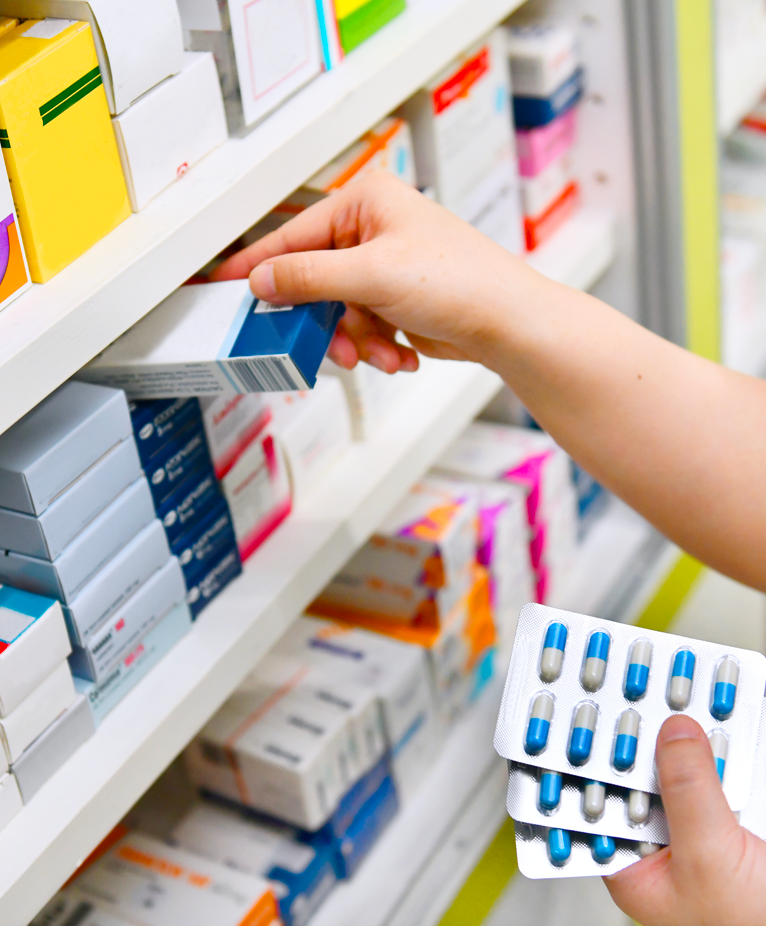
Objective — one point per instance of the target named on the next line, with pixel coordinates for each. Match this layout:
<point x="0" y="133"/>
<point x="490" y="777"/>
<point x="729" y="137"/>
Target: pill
<point x="553" y="652"/>
<point x="627" y="740"/>
<point x="559" y="846"/>
<point x="593" y="799"/>
<point x="581" y="739"/>
<point x="720" y="746"/>
<point x="681" y="676"/>
<point x="539" y="723"/>
<point x="549" y="793"/>
<point x="725" y="689"/>
<point x="638" y="670"/>
<point x="595" y="661"/>
<point x="648" y="848"/>
<point x="602" y="848"/>
<point x="638" y="807"/>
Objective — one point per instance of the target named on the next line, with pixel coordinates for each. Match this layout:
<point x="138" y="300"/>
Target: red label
<point x="461" y="82"/>
<point x="3" y="646"/>
<point x="120" y="624"/>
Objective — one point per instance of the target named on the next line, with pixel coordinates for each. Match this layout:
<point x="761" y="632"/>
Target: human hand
<point x="399" y="262"/>
<point x="714" y="871"/>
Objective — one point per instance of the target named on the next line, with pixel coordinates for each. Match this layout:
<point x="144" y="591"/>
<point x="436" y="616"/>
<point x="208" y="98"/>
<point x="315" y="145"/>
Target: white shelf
<point x="54" y="329"/>
<point x="741" y="76"/>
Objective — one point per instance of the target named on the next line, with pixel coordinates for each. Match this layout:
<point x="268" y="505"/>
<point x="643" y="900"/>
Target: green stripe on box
<point x="53" y="102"/>
<point x="358" y="26"/>
<point x="83" y="91"/>
<point x="4" y="143"/>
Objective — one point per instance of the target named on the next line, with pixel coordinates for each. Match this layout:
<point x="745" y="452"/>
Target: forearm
<point x="681" y="439"/>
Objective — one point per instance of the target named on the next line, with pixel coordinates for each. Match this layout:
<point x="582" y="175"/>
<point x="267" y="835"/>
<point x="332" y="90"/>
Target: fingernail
<point x="375" y="361"/>
<point x="262" y="281"/>
<point x="679" y="727"/>
<point x="409" y="364"/>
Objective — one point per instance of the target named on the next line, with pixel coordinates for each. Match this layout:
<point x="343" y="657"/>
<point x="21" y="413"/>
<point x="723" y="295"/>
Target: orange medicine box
<point x="58" y="143"/>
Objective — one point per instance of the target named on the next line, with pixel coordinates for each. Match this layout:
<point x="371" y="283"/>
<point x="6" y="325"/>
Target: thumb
<point x="698" y="814"/>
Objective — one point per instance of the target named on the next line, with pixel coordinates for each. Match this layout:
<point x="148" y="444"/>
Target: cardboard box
<point x="371" y="394"/>
<point x="153" y="26"/>
<point x="194" y="891"/>
<point x="14" y="272"/>
<point x="232" y="422"/>
<point x="538" y="193"/>
<point x="157" y="421"/>
<point x="124" y="676"/>
<point x="61" y="155"/>
<point x="51" y="749"/>
<point x="37" y="712"/>
<point x="182" y="456"/>
<point x="365" y="20"/>
<point x="120" y="634"/>
<point x="211" y="583"/>
<point x="10" y="800"/>
<point x="531" y="111"/>
<point x="539" y="228"/>
<point x="112" y="585"/>
<point x="313" y="429"/>
<point x="538" y="147"/>
<point x="265" y="51"/>
<point x="189" y="502"/>
<point x="170" y="128"/>
<point x="33" y="642"/>
<point x="543" y="56"/>
<point x="67" y="904"/>
<point x="91" y="549"/>
<point x="210" y="338"/>
<point x="47" y="536"/>
<point x="303" y="872"/>
<point x="204" y="543"/>
<point x="43" y="453"/>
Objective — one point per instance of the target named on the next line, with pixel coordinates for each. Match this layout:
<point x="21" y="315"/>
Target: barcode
<point x="79" y="914"/>
<point x="263" y="375"/>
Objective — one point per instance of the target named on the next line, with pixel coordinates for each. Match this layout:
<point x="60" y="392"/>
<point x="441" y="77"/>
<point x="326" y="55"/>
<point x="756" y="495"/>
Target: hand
<point x="399" y="262"/>
<point x="714" y="871"/>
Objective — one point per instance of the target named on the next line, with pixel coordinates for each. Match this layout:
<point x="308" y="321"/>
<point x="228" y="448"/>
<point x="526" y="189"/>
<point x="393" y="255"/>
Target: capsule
<point x="549" y="792"/>
<point x="539" y="723"/>
<point x="637" y="675"/>
<point x="720" y="746"/>
<point x="648" y="848"/>
<point x="627" y="740"/>
<point x="553" y="652"/>
<point x="559" y="847"/>
<point x="581" y="738"/>
<point x="595" y="661"/>
<point x="639" y="803"/>
<point x="681" y="675"/>
<point x="593" y="799"/>
<point x="725" y="689"/>
<point x="602" y="849"/>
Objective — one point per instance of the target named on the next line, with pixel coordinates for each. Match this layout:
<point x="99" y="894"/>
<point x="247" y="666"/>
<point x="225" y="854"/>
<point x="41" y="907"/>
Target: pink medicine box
<point x="539" y="146"/>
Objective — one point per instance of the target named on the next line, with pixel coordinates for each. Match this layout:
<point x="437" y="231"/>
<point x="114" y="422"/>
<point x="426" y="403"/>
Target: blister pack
<point x="587" y="697"/>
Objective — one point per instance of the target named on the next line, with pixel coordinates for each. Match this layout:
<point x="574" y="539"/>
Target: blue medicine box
<point x="159" y="421"/>
<point x="204" y="543"/>
<point x="189" y="501"/>
<point x="185" y="454"/>
<point x="530" y="111"/>
<point x="211" y="583"/>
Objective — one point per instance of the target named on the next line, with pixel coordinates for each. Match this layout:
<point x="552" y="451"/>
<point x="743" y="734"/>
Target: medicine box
<point x="358" y="21"/>
<point x="145" y="608"/>
<point x="66" y="904"/>
<point x="531" y="111"/>
<point x="37" y="711"/>
<point x="538" y="147"/>
<point x="232" y="422"/>
<point x="212" y="582"/>
<point x="539" y="228"/>
<point x="157" y="421"/>
<point x="10" y="799"/>
<point x="115" y="582"/>
<point x="543" y="56"/>
<point x="205" y="542"/>
<point x="265" y="51"/>
<point x="538" y="193"/>
<point x="53" y="747"/>
<point x="91" y="549"/>
<point x="102" y="697"/>
<point x="33" y="643"/>
<point x="210" y="338"/>
<point x="153" y="26"/>
<point x="14" y="273"/>
<point x="188" y="502"/>
<point x="44" y="452"/>
<point x="47" y="535"/>
<point x="184" y="454"/>
<point x="170" y="128"/>
<point x="59" y="148"/>
<point x="194" y="891"/>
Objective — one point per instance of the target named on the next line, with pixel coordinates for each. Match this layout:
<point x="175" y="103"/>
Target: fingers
<point x="643" y="888"/>
<point x="698" y="814"/>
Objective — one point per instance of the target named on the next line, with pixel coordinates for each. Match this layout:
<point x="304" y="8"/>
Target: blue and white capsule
<point x="725" y="688"/>
<point x="549" y="790"/>
<point x="602" y="849"/>
<point x="626" y="742"/>
<point x="639" y="804"/>
<point x="595" y="661"/>
<point x="593" y="799"/>
<point x="552" y="656"/>
<point x="581" y="737"/>
<point x="539" y="723"/>
<point x="637" y="676"/>
<point x="681" y="678"/>
<point x="719" y="743"/>
<point x="559" y="847"/>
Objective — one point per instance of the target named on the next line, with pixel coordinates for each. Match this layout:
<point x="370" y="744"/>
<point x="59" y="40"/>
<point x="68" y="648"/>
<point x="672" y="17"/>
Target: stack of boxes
<point x="187" y="499"/>
<point x="547" y="84"/>
<point x="78" y="525"/>
<point x="357" y="20"/>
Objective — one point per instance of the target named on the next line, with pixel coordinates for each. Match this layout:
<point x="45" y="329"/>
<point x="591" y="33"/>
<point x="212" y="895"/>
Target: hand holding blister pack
<point x="587" y="697"/>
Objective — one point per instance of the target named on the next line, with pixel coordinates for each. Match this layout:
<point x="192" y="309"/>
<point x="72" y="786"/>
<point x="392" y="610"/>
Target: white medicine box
<point x="170" y="128"/>
<point x="138" y="44"/>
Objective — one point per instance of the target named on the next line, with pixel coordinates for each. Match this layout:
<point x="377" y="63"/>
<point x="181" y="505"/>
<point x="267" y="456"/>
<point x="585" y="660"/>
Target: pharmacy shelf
<point x="421" y="861"/>
<point x="741" y="79"/>
<point x="54" y="329"/>
<point x="580" y="252"/>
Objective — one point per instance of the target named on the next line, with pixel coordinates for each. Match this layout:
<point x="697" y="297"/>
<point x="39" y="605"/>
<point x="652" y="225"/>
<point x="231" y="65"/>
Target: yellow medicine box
<point x="57" y="142"/>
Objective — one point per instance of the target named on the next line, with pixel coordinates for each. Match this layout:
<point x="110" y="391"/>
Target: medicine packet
<point x="587" y="697"/>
